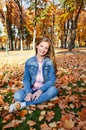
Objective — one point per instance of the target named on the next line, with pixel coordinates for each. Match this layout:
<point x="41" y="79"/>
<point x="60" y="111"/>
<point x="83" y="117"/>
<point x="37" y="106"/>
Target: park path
<point x="20" y="57"/>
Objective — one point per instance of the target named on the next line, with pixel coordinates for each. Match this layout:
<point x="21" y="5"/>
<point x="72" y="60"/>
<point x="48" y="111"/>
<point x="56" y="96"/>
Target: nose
<point x="43" y="49"/>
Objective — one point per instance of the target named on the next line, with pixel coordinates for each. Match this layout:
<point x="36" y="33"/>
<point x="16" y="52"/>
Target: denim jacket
<point x="30" y="73"/>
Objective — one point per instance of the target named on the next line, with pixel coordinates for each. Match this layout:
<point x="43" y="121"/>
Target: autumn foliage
<point x="66" y="112"/>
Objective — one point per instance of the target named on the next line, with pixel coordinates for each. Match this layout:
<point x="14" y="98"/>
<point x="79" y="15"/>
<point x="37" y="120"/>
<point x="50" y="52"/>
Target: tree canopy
<point x="63" y="21"/>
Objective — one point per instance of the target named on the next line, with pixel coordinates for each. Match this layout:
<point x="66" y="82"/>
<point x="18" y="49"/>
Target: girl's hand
<point x="36" y="95"/>
<point x="28" y="97"/>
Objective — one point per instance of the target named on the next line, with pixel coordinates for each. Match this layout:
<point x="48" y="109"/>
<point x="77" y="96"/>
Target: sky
<point x="25" y="4"/>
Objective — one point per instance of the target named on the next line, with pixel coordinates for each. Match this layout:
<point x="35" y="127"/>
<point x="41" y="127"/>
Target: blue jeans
<point x="45" y="96"/>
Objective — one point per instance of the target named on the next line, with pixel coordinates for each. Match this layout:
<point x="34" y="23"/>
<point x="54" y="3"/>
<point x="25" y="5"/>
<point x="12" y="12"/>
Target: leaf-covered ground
<point x="66" y="112"/>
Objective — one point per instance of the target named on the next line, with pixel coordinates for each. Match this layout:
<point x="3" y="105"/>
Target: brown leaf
<point x="83" y="97"/>
<point x="56" y="101"/>
<point x="13" y="123"/>
<point x="62" y="104"/>
<point x="8" y="117"/>
<point x="31" y="123"/>
<point x="83" y="103"/>
<point x="76" y="128"/>
<point x="45" y="127"/>
<point x="50" y="115"/>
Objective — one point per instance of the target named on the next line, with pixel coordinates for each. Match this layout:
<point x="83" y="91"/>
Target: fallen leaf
<point x="45" y="127"/>
<point x="13" y="123"/>
<point x="61" y="129"/>
<point x="68" y="124"/>
<point x="4" y="91"/>
<point x="53" y="124"/>
<point x="8" y="117"/>
<point x="50" y="115"/>
<point x="76" y="128"/>
<point x="50" y="105"/>
<point x="62" y="104"/>
<point x="31" y="123"/>
<point x="82" y="114"/>
<point x="83" y="103"/>
<point x="23" y="113"/>
<point x="1" y="100"/>
<point x="41" y="117"/>
<point x="65" y="117"/>
<point x="6" y="108"/>
<point x="43" y="112"/>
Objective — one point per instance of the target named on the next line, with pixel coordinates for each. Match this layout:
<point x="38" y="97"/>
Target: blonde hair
<point x="51" y="53"/>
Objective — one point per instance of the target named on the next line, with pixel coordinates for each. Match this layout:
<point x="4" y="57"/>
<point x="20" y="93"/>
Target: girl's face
<point x="42" y="48"/>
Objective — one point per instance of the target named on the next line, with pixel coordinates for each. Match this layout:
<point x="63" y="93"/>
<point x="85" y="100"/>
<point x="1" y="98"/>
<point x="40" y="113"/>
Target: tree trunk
<point x="34" y="34"/>
<point x="73" y="28"/>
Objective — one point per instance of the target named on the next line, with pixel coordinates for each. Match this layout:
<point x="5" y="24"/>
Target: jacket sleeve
<point x="26" y="80"/>
<point x="51" y="79"/>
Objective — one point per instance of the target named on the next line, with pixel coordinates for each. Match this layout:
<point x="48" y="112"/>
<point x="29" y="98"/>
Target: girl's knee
<point x="19" y="95"/>
<point x="54" y="90"/>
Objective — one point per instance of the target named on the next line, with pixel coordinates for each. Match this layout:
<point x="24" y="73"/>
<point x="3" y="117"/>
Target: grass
<point x="63" y="93"/>
<point x="36" y="113"/>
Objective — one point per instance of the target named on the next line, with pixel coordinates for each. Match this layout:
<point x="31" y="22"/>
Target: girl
<point x="39" y="78"/>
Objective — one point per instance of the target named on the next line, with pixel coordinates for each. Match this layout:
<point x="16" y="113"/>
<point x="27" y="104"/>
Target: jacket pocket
<point x="46" y="71"/>
<point x="32" y="70"/>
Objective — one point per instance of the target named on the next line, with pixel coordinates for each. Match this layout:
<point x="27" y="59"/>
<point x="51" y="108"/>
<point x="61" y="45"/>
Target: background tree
<point x="73" y="9"/>
<point x="61" y="22"/>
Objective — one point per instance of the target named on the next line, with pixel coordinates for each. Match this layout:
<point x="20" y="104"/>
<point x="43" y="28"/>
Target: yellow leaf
<point x="53" y="124"/>
<point x="68" y="124"/>
<point x="43" y="113"/>
<point x="4" y="91"/>
<point x="41" y="117"/>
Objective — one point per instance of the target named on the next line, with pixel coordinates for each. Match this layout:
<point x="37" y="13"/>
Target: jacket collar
<point x="45" y="59"/>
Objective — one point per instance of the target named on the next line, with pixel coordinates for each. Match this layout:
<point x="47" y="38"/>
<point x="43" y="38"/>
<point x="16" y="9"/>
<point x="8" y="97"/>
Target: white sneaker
<point x="17" y="106"/>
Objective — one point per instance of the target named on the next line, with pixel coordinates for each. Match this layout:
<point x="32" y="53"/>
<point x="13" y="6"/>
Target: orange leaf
<point x="65" y="117"/>
<point x="50" y="116"/>
<point x="1" y="100"/>
<point x="44" y="127"/>
<point x="23" y="113"/>
<point x="1" y="76"/>
<point x="82" y="114"/>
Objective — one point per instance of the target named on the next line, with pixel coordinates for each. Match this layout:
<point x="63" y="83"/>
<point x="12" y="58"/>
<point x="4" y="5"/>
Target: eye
<point x="41" y="45"/>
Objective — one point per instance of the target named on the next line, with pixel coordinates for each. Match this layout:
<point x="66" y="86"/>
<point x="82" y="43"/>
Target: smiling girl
<point x="39" y="78"/>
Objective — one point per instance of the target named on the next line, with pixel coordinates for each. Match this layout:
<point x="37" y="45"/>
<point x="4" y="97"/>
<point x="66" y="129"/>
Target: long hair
<point x="51" y="53"/>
